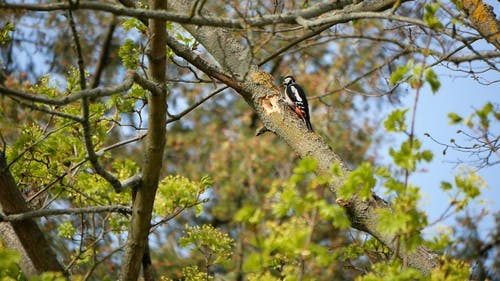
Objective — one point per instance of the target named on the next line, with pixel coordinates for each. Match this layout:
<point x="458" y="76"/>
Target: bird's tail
<point x="309" y="126"/>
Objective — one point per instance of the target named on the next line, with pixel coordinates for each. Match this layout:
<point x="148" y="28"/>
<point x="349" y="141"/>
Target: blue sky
<point x="461" y="95"/>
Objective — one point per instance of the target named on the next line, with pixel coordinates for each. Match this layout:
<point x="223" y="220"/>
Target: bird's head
<point x="288" y="80"/>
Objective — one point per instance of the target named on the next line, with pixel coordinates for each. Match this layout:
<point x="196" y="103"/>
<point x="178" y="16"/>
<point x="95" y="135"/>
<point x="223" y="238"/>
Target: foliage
<point x="289" y="231"/>
<point x="4" y="33"/>
<point x="179" y="192"/>
<point x="230" y="205"/>
<point x="129" y="53"/>
<point x="430" y="16"/>
<point x="9" y="269"/>
<point x="360" y="181"/>
<point x="210" y="242"/>
<point x="414" y="79"/>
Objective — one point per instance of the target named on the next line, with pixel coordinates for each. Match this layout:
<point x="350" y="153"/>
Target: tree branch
<point x="86" y="126"/>
<point x="259" y="90"/>
<point x="46" y="109"/>
<point x="483" y="19"/>
<point x="91" y="93"/>
<point x="176" y="117"/>
<point x="104" y="55"/>
<point x="57" y="212"/>
<point x="185" y="18"/>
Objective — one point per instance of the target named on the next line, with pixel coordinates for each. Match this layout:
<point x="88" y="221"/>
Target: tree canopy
<point x="150" y="139"/>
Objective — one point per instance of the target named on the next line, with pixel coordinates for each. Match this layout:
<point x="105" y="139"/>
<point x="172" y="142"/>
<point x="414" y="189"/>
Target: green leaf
<point x="4" y="33"/>
<point x="383" y="172"/>
<point x="129" y="52"/>
<point x="427" y="155"/>
<point x="470" y="184"/>
<point x="336" y="169"/>
<point x="193" y="273"/>
<point x="432" y="79"/>
<point x="430" y="17"/>
<point x="9" y="261"/>
<point x="391" y="222"/>
<point x="179" y="192"/>
<point x="454" y="118"/>
<point x="288" y="199"/>
<point x="215" y="245"/>
<point x="406" y="157"/>
<point x="66" y="230"/>
<point x="336" y="214"/>
<point x="400" y="72"/>
<point x="451" y="269"/>
<point x="306" y="165"/>
<point x="392" y="271"/>
<point x="134" y="23"/>
<point x="445" y="186"/>
<point x="483" y="115"/>
<point x="396" y="121"/>
<point x="394" y="185"/>
<point x="360" y="181"/>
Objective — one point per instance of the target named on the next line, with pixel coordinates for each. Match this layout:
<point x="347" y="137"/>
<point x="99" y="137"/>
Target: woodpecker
<point x="295" y="97"/>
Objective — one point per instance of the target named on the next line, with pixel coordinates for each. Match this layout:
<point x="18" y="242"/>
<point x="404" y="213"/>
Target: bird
<point x="295" y="97"/>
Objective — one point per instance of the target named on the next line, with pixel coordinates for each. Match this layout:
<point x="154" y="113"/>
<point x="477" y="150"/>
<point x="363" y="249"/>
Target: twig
<point x="46" y="109"/>
<point x="308" y="35"/>
<point x="195" y="105"/>
<point x="364" y="75"/>
<point x="96" y="263"/>
<point x="175" y="213"/>
<point x="104" y="55"/>
<point x="202" y="64"/>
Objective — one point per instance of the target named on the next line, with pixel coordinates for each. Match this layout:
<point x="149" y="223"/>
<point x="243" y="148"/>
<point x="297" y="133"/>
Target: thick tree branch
<point x="182" y="16"/>
<point x="304" y="17"/>
<point x="483" y="19"/>
<point x="22" y="235"/>
<point x="263" y="96"/>
<point x="58" y="212"/>
<point x="474" y="57"/>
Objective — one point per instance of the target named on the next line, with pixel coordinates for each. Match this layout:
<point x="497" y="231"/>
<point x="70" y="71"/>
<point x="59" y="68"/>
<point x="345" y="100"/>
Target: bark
<point x="23" y="236"/>
<point x="258" y="89"/>
<point x="483" y="19"/>
<point x="153" y="158"/>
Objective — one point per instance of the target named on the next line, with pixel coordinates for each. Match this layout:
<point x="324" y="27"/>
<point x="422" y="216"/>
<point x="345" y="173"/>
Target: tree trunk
<point x="154" y="149"/>
<point x="23" y="236"/>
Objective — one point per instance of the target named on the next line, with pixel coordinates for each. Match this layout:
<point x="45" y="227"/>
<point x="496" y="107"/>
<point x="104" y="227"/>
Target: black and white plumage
<point x="295" y="97"/>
